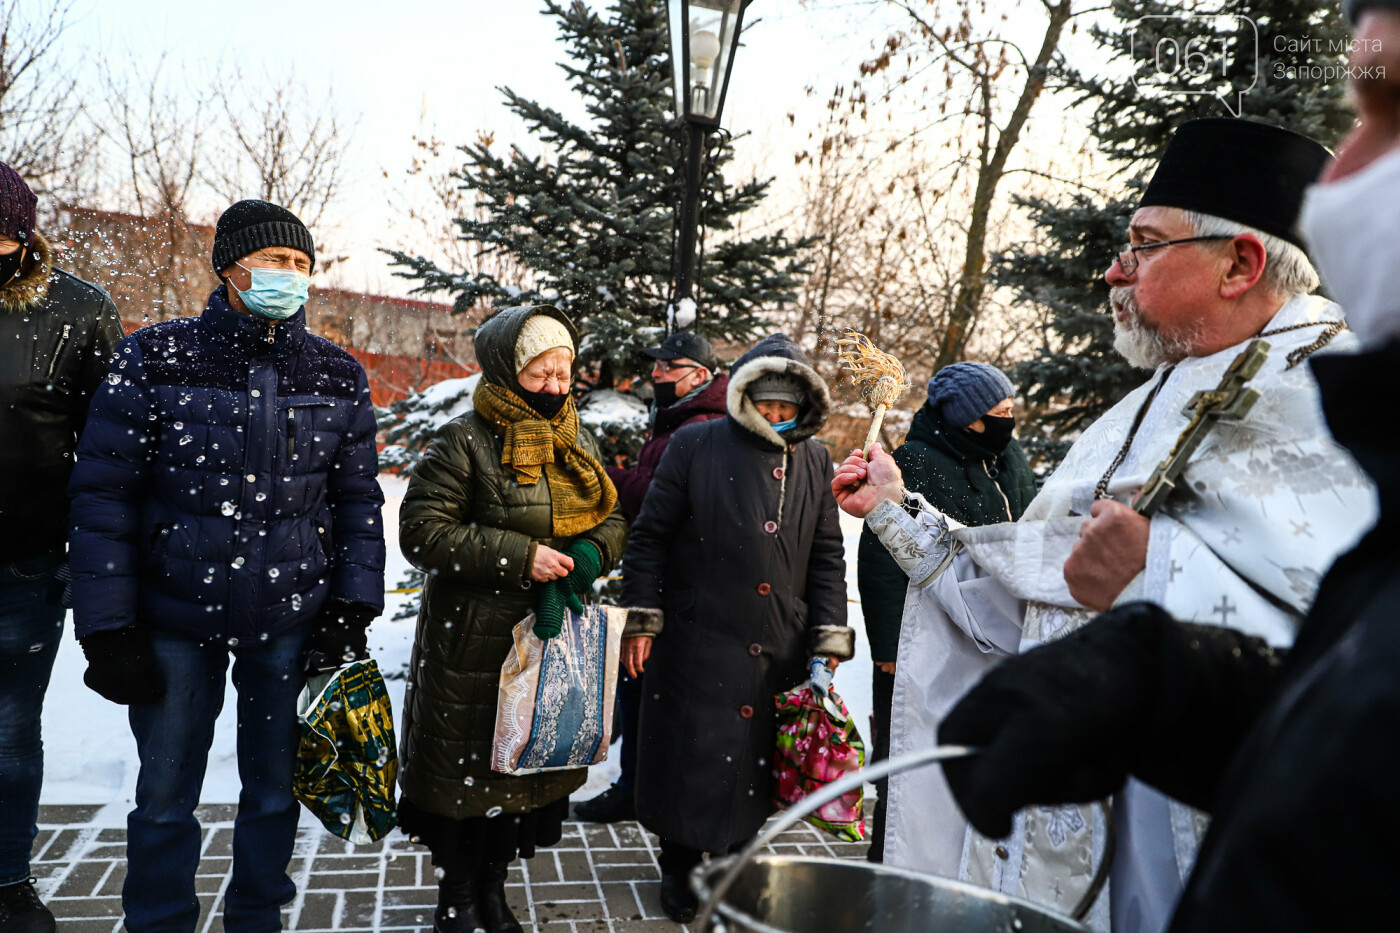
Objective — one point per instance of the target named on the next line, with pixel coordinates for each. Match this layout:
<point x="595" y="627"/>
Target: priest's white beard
<point x="1138" y="342"/>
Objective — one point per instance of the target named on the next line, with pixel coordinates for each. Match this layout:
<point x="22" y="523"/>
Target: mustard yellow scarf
<point x="581" y="495"/>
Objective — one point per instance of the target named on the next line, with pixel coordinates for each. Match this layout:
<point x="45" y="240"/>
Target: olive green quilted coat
<point x="471" y="527"/>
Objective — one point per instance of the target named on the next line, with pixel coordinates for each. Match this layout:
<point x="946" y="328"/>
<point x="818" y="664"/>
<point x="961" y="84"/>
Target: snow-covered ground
<point x="90" y="756"/>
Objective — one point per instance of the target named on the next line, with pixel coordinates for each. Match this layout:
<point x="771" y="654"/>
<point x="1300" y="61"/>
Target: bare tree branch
<point x="282" y="147"/>
<point x="41" y="132"/>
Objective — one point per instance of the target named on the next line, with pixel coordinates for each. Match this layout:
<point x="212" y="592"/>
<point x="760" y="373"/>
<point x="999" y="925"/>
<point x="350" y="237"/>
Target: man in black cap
<point x="56" y="336"/>
<point x="687" y="389"/>
<point x="225" y="504"/>
<point x="1261" y="510"/>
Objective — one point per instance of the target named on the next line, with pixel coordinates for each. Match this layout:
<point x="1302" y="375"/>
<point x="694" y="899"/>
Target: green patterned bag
<point x="347" y="762"/>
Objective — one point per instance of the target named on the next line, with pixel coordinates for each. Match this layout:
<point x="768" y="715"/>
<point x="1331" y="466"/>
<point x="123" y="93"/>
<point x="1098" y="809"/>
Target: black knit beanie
<point x="16" y="206"/>
<point x="251" y="225"/>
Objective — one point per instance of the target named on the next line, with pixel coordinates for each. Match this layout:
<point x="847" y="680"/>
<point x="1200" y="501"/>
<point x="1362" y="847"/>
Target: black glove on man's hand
<point x="121" y="666"/>
<point x="1133" y="692"/>
<point x="339" y="636"/>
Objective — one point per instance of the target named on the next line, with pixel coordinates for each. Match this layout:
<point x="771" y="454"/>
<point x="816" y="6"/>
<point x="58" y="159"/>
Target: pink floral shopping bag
<point x="817" y="744"/>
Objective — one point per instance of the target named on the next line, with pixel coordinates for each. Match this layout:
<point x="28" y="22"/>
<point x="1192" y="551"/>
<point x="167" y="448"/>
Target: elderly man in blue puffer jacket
<point x="224" y="504"/>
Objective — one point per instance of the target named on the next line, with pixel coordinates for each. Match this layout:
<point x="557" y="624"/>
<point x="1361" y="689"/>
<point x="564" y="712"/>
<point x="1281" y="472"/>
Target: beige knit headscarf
<point x="540" y="332"/>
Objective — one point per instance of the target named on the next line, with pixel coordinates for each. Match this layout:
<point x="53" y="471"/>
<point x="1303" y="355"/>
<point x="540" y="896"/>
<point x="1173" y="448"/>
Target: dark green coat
<point x="959" y="479"/>
<point x="472" y="528"/>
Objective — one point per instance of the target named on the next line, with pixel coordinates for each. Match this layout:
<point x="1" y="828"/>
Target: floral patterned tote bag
<point x="817" y="744"/>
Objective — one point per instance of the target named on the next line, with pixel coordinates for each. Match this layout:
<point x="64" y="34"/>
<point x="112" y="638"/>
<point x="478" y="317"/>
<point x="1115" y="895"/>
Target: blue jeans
<point x="31" y="624"/>
<point x="173" y="736"/>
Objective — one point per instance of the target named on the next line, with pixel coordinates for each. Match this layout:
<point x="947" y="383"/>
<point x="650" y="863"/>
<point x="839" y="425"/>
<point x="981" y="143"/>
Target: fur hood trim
<point x="837" y="640"/>
<point x="809" y="420"/>
<point x="644" y="623"/>
<point x="31" y="287"/>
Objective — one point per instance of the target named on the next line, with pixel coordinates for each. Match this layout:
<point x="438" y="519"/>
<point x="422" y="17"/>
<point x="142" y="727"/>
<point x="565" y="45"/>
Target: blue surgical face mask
<point x="782" y="427"/>
<point x="275" y="293"/>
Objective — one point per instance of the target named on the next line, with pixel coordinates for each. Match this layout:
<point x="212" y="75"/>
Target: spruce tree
<point x="410" y="424"/>
<point x="1076" y="375"/>
<point x="593" y="221"/>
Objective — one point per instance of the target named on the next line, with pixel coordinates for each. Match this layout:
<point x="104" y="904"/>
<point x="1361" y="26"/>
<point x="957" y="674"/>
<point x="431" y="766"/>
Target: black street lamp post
<point x="704" y="35"/>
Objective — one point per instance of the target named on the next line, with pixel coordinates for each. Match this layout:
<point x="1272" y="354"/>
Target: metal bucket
<point x="800" y="894"/>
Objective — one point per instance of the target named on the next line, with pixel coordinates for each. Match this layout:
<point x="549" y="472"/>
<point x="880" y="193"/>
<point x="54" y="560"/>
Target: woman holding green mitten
<point x="509" y="511"/>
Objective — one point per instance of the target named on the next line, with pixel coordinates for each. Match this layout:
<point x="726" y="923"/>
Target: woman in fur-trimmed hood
<point x="735" y="575"/>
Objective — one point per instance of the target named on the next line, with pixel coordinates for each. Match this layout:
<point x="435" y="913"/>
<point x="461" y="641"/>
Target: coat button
<point x="770" y="527"/>
<point x="746" y="712"/>
<point x="764" y="589"/>
<point x="237" y="562"/>
<point x="1001" y="852"/>
<point x="255" y="394"/>
<point x="778" y="472"/>
<point x="755" y="649"/>
<point x="252" y="478"/>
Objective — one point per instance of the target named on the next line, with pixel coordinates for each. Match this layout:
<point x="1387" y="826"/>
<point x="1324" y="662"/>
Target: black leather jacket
<point x="57" y="333"/>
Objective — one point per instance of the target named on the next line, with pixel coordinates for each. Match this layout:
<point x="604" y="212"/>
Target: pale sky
<point x="435" y="65"/>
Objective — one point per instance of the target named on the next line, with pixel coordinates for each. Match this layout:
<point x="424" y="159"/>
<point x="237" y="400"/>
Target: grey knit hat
<point x="16" y="206"/>
<point x="964" y="392"/>
<point x="777" y="387"/>
<point x="251" y="225"/>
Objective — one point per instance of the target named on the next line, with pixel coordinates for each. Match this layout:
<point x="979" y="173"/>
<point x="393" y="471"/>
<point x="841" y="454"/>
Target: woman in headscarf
<point x="509" y="510"/>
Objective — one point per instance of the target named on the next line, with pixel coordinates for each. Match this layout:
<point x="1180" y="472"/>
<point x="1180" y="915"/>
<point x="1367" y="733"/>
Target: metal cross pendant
<point x="1231" y="400"/>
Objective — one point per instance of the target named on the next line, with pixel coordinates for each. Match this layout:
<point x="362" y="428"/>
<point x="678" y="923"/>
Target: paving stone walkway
<point x="599" y="879"/>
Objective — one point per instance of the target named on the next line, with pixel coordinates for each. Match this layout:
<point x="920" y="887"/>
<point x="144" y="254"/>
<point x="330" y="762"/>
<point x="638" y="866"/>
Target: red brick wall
<point x="394" y="377"/>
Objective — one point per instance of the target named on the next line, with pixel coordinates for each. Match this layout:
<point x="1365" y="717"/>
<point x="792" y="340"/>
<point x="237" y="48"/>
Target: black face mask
<point x="664" y="393"/>
<point x="10" y="265"/>
<point x="997" y="436"/>
<point x="544" y="404"/>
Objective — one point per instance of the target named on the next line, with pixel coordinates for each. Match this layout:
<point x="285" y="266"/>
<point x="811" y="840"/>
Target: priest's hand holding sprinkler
<point x="881" y="381"/>
<point x="878" y="377"/>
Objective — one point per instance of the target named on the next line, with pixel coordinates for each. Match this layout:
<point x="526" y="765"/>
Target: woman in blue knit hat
<point x="960" y="455"/>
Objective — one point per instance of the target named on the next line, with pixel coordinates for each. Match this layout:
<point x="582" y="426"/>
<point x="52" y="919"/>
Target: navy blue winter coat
<point x="225" y="483"/>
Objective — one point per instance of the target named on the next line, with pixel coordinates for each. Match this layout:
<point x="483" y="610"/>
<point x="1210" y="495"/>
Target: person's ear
<point x="1247" y="260"/>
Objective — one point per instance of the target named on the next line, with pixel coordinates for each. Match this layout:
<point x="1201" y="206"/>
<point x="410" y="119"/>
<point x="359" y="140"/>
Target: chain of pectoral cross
<point x="1101" y="488"/>
<point x="1301" y="353"/>
<point x="1332" y="329"/>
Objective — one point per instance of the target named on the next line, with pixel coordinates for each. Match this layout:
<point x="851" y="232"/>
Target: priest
<point x="1213" y="261"/>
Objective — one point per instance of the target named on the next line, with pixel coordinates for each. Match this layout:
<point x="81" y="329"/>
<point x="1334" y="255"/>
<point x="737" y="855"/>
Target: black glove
<point x="121" y="666"/>
<point x="339" y="636"/>
<point x="1133" y="692"/>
